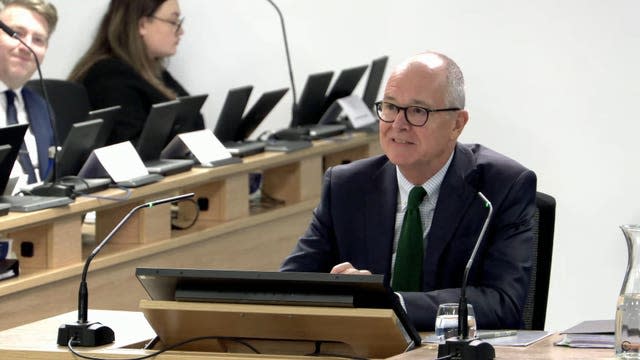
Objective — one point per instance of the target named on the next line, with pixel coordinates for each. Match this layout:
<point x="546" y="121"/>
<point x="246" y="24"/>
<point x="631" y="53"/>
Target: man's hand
<point x="347" y="269"/>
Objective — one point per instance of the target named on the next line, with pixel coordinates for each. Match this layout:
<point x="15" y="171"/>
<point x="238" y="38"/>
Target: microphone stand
<point x="286" y="49"/>
<point x="83" y="332"/>
<point x="462" y="347"/>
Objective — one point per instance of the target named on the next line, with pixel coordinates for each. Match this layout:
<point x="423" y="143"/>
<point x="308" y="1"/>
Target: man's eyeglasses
<point x="176" y="23"/>
<point x="415" y="115"/>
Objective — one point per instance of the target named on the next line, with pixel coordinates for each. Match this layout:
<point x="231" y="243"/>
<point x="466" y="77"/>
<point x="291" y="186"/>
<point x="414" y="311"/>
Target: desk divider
<point x="51" y="245"/>
<point x="227" y="199"/>
<point x="294" y="182"/>
<point x="146" y="226"/>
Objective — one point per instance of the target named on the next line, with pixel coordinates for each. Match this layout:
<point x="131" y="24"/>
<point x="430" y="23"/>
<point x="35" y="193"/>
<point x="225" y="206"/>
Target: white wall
<point x="551" y="83"/>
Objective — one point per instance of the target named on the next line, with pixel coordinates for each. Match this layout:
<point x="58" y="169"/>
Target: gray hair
<point x="455" y="96"/>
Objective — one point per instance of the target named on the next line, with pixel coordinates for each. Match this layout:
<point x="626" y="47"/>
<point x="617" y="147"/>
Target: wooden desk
<point x="228" y="235"/>
<point x="38" y="341"/>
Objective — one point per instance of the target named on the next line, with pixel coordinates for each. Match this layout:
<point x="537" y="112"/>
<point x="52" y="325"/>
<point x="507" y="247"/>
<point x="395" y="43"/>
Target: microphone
<point x="461" y="347"/>
<point x="286" y="49"/>
<point x="7" y="29"/>
<point x="43" y="190"/>
<point x="82" y="332"/>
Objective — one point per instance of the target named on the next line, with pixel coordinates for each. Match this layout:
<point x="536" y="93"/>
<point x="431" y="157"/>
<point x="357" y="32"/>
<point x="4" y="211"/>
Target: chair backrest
<point x="535" y="308"/>
<point x="69" y="101"/>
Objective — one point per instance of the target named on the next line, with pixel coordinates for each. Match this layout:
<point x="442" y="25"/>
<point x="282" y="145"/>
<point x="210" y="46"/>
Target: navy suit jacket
<point x="355" y="222"/>
<point x="40" y="126"/>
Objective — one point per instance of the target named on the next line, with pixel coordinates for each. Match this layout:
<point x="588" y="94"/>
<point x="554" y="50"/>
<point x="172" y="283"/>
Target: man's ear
<point x="462" y="116"/>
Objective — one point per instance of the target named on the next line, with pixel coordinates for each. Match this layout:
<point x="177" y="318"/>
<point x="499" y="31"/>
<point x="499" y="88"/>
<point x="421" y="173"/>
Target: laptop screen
<point x="77" y="147"/>
<point x="310" y="105"/>
<point x="226" y="129"/>
<point x="344" y="85"/>
<point x="258" y="112"/>
<point x="371" y="89"/>
<point x="13" y="136"/>
<point x="108" y="116"/>
<point x="156" y="130"/>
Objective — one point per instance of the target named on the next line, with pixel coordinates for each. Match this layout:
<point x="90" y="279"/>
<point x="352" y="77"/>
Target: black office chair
<point x="69" y="101"/>
<point x="535" y="308"/>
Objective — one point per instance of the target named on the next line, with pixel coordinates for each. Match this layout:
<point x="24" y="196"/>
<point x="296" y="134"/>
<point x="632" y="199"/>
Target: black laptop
<point x="155" y="136"/>
<point x="233" y="129"/>
<point x="306" y="127"/>
<point x="227" y="128"/>
<point x="108" y="116"/>
<point x="13" y="136"/>
<point x="188" y="111"/>
<point x="77" y="147"/>
<point x="309" y="107"/>
<point x="374" y="80"/>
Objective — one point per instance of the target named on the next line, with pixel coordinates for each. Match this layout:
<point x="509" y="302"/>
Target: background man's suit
<point x="354" y="222"/>
<point x="40" y="125"/>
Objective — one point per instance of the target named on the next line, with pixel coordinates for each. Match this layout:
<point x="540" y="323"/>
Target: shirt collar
<point x="432" y="185"/>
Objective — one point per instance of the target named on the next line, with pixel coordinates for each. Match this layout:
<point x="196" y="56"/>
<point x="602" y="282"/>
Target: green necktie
<point x="407" y="272"/>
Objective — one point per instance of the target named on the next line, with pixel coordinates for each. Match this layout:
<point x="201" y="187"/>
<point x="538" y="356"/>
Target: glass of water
<point x="447" y="321"/>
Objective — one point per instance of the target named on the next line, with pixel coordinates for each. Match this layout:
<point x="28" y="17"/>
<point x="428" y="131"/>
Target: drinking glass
<point x="447" y="321"/>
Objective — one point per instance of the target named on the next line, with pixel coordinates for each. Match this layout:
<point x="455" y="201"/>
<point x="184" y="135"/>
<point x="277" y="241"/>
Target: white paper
<point x="205" y="146"/>
<point x="121" y="161"/>
<point x="357" y="112"/>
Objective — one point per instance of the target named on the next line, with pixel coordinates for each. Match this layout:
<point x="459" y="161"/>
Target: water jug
<point x="627" y="331"/>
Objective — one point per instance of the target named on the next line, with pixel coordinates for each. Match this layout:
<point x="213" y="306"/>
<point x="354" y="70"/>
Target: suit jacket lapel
<point x="380" y="207"/>
<point x="456" y="194"/>
<point x="40" y="126"/>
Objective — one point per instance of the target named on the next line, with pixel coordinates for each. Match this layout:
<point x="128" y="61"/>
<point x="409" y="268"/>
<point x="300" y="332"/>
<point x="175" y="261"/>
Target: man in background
<point x="415" y="213"/>
<point x="34" y="21"/>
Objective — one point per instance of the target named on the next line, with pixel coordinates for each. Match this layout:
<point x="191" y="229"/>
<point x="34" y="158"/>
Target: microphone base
<point x="466" y="349"/>
<point x="50" y="189"/>
<point x="85" y="334"/>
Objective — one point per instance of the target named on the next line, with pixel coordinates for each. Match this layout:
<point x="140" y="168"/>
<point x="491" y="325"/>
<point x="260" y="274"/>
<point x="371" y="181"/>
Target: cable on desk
<point x="170" y="347"/>
<point x="318" y="352"/>
<point x="179" y="225"/>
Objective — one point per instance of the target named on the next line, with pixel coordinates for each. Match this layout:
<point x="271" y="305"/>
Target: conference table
<point x="132" y="332"/>
<point x="233" y="230"/>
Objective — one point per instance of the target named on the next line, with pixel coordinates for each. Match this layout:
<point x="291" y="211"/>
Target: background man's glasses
<point x="415" y="115"/>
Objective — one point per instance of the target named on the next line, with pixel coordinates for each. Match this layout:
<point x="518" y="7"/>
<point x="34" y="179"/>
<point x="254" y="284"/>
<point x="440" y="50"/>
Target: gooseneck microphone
<point x="286" y="49"/>
<point x="82" y="332"/>
<point x="461" y="347"/>
<point x="12" y="33"/>
<point x="7" y="29"/>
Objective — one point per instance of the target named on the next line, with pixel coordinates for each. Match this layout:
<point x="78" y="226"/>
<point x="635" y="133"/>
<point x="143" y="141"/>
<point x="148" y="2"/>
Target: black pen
<point x="496" y="334"/>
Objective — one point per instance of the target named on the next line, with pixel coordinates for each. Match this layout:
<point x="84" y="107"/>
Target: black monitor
<point x="310" y="106"/>
<point x="258" y="112"/>
<point x="157" y="129"/>
<point x="108" y="116"/>
<point x="12" y="135"/>
<point x="276" y="288"/>
<point x="4" y="152"/>
<point x="188" y="114"/>
<point x="77" y="147"/>
<point x="344" y="85"/>
<point x="226" y="129"/>
<point x="371" y="89"/>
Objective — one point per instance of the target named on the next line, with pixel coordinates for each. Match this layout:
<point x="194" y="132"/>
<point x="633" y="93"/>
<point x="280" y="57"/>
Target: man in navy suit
<point x="356" y="227"/>
<point x="33" y="21"/>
